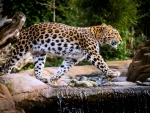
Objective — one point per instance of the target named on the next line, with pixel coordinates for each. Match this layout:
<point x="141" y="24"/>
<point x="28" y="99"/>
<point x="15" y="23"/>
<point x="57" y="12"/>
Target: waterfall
<point x="105" y="99"/>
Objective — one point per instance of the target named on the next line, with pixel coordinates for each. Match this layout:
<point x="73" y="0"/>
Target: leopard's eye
<point x="114" y="42"/>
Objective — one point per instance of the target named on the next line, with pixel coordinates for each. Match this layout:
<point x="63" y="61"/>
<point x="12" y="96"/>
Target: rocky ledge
<point x="35" y="96"/>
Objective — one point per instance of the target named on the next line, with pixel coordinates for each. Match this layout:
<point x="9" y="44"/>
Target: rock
<point x="72" y="84"/>
<point x="143" y="83"/>
<point x="6" y="101"/>
<point x="139" y="69"/>
<point x="84" y="70"/>
<point x="99" y="81"/>
<point x="139" y="73"/>
<point x="63" y="82"/>
<point x="137" y="63"/>
<point x="83" y="84"/>
<point x="148" y="79"/>
<point x="119" y="79"/>
<point x="146" y="83"/>
<point x="21" y="85"/>
<point x="47" y="72"/>
<point x="7" y="104"/>
<point x="30" y="93"/>
<point x="93" y="83"/>
<point x="83" y="78"/>
<point x="119" y="64"/>
<point x="120" y="84"/>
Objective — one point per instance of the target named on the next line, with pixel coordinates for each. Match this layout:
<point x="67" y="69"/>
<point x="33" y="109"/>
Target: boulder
<point x="7" y="104"/>
<point x="21" y="85"/>
<point x="139" y="69"/>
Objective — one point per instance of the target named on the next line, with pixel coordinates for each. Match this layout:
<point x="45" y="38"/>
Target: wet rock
<point x="93" y="83"/>
<point x="83" y="84"/>
<point x="143" y="83"/>
<point x="120" y="84"/>
<point x="119" y="79"/>
<point x="99" y="81"/>
<point x="146" y="83"/>
<point x="148" y="79"/>
<point x="72" y="84"/>
<point x="83" y="78"/>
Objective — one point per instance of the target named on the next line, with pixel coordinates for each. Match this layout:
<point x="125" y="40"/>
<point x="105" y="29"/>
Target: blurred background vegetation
<point x="129" y="17"/>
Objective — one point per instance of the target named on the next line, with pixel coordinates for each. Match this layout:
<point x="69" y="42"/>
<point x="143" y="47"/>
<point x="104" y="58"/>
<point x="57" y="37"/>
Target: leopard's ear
<point x="103" y="26"/>
<point x="110" y="26"/>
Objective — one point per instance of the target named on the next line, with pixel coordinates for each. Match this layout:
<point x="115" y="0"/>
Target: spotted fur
<point x="73" y="43"/>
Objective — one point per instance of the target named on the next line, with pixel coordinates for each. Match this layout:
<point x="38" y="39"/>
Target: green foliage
<point x="66" y="12"/>
<point x="27" y="67"/>
<point x="34" y="12"/>
<point x="56" y="61"/>
<point x="143" y="23"/>
<point x="139" y="41"/>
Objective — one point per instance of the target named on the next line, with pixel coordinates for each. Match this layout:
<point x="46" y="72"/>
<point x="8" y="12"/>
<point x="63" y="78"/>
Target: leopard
<point x="72" y="43"/>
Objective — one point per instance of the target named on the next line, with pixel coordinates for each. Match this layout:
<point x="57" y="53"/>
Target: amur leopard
<point x="73" y="43"/>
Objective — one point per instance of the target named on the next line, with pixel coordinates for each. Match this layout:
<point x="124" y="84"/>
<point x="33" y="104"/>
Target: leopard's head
<point x="106" y="34"/>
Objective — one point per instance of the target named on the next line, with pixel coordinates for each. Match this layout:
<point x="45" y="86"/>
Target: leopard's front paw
<point x="52" y="81"/>
<point x="112" y="74"/>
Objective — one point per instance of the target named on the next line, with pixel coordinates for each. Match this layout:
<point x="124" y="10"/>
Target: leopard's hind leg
<point x="39" y="57"/>
<point x="65" y="66"/>
<point x="39" y="61"/>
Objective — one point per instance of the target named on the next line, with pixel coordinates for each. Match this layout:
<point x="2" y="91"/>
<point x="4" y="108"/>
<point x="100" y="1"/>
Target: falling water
<point x="108" y="100"/>
<point x="129" y="99"/>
